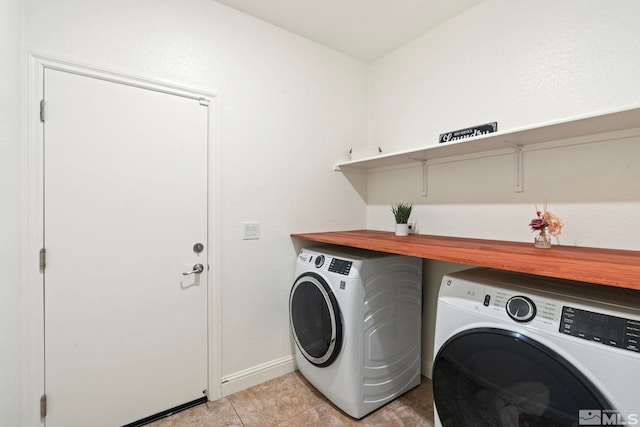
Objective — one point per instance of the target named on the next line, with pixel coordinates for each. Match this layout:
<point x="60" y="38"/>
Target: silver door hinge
<point x="42" y="110"/>
<point x="43" y="406"/>
<point x="43" y="259"/>
<point x="204" y="102"/>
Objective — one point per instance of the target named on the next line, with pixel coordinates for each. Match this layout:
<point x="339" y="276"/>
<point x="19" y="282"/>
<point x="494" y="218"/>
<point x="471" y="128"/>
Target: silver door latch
<point x="197" y="269"/>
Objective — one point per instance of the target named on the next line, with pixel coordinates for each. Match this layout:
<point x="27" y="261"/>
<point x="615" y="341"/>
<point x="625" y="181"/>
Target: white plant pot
<point x="402" y="229"/>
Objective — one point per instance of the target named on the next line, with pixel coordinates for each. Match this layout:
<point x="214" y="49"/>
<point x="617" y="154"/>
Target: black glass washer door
<point x="315" y="319"/>
<point x="494" y="378"/>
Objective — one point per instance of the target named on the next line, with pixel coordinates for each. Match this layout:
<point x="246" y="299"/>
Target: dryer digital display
<point x="610" y="330"/>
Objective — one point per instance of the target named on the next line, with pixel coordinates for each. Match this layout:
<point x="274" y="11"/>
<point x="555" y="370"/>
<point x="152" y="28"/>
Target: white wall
<point x="11" y="320"/>
<point x="289" y="109"/>
<point x="520" y="64"/>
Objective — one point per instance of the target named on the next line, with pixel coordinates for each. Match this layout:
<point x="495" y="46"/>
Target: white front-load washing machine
<point x="356" y="320"/>
<point x="522" y="350"/>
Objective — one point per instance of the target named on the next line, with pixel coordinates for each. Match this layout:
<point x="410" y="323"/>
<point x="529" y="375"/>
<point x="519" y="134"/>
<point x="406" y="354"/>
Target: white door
<point x="125" y="201"/>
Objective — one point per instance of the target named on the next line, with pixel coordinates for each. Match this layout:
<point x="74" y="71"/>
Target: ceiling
<point x="363" y="29"/>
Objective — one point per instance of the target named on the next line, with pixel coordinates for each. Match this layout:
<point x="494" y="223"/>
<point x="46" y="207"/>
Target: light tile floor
<point x="290" y="401"/>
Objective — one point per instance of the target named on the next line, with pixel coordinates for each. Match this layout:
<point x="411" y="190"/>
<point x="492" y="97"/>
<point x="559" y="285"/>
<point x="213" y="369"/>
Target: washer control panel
<point x="609" y="317"/>
<point x="326" y="262"/>
<point x="523" y="309"/>
<point x="610" y="330"/>
<point x="340" y="266"/>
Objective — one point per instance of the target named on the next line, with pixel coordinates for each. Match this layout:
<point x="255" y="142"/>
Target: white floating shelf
<point x="550" y="131"/>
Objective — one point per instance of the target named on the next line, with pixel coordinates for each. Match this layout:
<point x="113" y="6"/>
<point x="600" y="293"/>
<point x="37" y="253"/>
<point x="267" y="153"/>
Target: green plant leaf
<point x="401" y="212"/>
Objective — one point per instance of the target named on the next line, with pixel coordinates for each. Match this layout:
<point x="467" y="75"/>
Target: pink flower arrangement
<point x="546" y="221"/>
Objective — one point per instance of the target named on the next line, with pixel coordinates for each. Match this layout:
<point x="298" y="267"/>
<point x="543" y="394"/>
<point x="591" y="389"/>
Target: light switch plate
<point x="250" y="230"/>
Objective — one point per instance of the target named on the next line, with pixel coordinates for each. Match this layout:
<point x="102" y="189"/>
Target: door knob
<point x="197" y="269"/>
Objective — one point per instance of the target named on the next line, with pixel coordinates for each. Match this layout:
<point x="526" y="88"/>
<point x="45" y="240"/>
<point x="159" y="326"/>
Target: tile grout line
<point x="236" y="412"/>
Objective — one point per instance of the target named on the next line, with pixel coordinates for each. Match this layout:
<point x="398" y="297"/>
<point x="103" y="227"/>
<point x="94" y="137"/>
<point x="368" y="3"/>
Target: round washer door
<point x="494" y="377"/>
<point x="315" y="319"/>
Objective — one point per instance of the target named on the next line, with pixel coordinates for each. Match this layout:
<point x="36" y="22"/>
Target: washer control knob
<point x="521" y="309"/>
<point x="319" y="261"/>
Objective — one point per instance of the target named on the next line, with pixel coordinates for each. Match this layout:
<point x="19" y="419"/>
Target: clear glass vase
<point x="542" y="240"/>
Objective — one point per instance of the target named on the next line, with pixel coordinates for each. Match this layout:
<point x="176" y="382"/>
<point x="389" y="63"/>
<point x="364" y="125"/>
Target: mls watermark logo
<point x="590" y="417"/>
<point x="607" y="417"/>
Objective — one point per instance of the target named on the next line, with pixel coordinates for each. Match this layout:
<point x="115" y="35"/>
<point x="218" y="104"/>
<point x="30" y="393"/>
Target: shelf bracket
<point x="517" y="159"/>
<point x="424" y="175"/>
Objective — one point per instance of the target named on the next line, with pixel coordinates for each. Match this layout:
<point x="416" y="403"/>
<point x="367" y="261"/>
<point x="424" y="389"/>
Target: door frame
<point x="33" y="226"/>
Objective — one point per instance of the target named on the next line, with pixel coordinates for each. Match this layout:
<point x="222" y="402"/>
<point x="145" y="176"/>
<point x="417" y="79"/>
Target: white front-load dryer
<point x="356" y="320"/>
<point x="522" y="350"/>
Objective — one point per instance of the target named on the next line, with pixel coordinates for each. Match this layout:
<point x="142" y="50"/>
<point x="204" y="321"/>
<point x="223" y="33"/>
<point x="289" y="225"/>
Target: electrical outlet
<point x="250" y="230"/>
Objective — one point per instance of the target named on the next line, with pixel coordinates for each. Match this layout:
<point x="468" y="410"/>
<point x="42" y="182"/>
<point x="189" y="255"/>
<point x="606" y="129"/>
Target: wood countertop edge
<point x="609" y="267"/>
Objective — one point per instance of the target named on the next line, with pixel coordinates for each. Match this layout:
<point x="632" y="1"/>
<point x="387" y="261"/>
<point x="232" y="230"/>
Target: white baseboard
<point x="427" y="368"/>
<point x="257" y="374"/>
<point x="267" y="371"/>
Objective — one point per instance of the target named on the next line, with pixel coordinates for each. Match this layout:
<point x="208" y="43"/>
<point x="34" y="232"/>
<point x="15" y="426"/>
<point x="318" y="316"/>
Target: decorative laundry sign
<point x="469" y="132"/>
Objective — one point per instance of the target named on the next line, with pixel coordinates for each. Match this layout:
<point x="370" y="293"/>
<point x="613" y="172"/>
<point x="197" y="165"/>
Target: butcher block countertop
<point x="611" y="267"/>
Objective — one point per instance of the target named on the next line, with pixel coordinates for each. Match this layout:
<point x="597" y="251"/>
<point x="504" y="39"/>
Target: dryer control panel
<point x="610" y="330"/>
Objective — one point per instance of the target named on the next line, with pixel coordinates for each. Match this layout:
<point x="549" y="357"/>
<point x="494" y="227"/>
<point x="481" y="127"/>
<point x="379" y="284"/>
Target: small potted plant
<point x="401" y="212"/>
